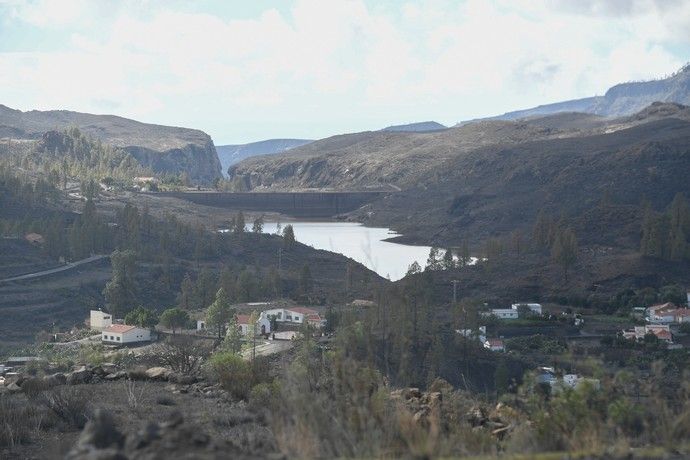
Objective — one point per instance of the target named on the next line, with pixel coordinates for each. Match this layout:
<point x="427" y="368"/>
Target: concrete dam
<point x="295" y="204"/>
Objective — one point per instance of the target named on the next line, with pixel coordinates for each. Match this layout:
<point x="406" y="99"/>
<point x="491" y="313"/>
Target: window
<point x="118" y="339"/>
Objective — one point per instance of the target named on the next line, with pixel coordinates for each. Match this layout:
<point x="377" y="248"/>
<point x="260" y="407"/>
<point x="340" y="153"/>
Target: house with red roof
<point x="661" y="331"/>
<point x="120" y="334"/>
<point x="296" y="315"/>
<point x="661" y="314"/>
<point x="494" y="345"/>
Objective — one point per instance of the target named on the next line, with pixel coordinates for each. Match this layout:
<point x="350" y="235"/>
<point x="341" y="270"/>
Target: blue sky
<point x="252" y="70"/>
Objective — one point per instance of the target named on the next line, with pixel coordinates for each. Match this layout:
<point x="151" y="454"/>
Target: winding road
<point x="63" y="268"/>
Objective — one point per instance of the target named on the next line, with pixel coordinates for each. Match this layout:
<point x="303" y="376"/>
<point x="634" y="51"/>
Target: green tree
<point x="564" y="250"/>
<point x="239" y="224"/>
<point x="174" y="318"/>
<point x="306" y="283"/>
<point x="233" y="339"/>
<point x="121" y="292"/>
<point x="258" y="225"/>
<point x="219" y="312"/>
<point x="448" y="262"/>
<point x="246" y="286"/>
<point x="142" y="317"/>
<point x="413" y="269"/>
<point x="288" y="237"/>
<point x="186" y="299"/>
<point x="433" y="262"/>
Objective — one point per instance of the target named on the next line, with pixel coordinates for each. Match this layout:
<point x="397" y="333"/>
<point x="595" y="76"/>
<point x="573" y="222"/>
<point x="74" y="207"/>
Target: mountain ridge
<point x="165" y="149"/>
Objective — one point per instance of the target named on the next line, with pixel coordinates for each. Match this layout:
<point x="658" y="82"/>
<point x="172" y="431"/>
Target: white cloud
<point x="320" y="68"/>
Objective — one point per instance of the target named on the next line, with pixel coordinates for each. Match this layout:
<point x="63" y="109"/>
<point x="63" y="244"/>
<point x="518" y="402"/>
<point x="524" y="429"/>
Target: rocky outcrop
<point x="164" y="149"/>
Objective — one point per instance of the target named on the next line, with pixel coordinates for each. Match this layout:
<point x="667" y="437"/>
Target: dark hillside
<point x="498" y="189"/>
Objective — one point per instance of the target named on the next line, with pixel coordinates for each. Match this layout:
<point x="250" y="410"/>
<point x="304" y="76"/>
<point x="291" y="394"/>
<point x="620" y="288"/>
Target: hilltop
<point x="620" y="100"/>
<point x="231" y="154"/>
<point x="164" y="149"/>
<point x="422" y="126"/>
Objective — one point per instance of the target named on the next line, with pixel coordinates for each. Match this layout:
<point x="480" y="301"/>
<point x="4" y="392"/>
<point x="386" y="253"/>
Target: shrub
<point x="233" y="373"/>
<point x="16" y="421"/>
<point x="69" y="404"/>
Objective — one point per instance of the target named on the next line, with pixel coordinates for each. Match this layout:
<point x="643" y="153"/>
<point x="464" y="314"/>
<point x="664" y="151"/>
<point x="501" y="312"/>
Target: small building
<point x="661" y="331"/>
<point x="682" y="315"/>
<point x="661" y="314"/>
<point x="120" y="334"/>
<point x="200" y="325"/>
<point x="296" y="315"/>
<point x="263" y="324"/>
<point x="494" y="345"/>
<point x="504" y="313"/>
<point x="533" y="307"/>
<point x="100" y="320"/>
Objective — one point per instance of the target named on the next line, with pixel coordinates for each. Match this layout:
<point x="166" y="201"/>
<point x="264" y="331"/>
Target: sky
<point x="250" y="70"/>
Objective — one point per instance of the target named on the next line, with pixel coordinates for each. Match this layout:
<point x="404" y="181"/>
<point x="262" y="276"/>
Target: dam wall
<point x="297" y="204"/>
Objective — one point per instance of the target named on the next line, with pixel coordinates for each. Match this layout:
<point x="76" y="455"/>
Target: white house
<point x="296" y="315"/>
<point x="661" y="314"/>
<point x="263" y="324"/>
<point x="121" y="334"/>
<point x="662" y="331"/>
<point x="534" y="307"/>
<point x="100" y="320"/>
<point x="504" y="313"/>
<point x="494" y="345"/>
<point x="479" y="333"/>
<point x="200" y="325"/>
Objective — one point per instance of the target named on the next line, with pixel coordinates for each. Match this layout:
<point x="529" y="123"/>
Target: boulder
<point x="116" y="375"/>
<point x="79" y="376"/>
<point x="55" y="379"/>
<point x="13" y="388"/>
<point x="157" y="373"/>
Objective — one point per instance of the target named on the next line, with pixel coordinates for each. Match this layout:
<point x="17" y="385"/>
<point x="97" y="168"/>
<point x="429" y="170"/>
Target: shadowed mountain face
<point x="620" y="100"/>
<point x="420" y="127"/>
<point x="165" y="149"/>
<point x="231" y="154"/>
<point x="498" y="189"/>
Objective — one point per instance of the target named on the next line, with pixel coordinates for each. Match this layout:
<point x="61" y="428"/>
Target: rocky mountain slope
<point x="231" y="154"/>
<point x="379" y="159"/>
<point x="500" y="188"/>
<point x="422" y="126"/>
<point x="622" y="99"/>
<point x="165" y="149"/>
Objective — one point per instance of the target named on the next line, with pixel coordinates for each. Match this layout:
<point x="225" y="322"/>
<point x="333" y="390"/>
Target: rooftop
<point x="119" y="328"/>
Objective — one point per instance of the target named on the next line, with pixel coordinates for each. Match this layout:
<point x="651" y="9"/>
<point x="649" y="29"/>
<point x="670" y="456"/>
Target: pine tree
<point x="288" y="237"/>
<point x="306" y="283"/>
<point x="187" y="298"/>
<point x="219" y="312"/>
<point x="564" y="250"/>
<point x="121" y="292"/>
<point x="433" y="262"/>
<point x="448" y="261"/>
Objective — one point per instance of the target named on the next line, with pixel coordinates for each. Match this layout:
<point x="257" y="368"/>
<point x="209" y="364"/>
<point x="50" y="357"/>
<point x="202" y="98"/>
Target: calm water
<point x="363" y="244"/>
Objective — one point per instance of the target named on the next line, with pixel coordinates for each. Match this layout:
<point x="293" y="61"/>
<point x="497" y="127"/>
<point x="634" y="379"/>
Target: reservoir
<point x="366" y="245"/>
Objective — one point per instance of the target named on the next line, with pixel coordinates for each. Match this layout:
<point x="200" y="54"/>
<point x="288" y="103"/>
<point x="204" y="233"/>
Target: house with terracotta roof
<point x="296" y="315"/>
<point x="263" y="324"/>
<point x="494" y="345"/>
<point x="661" y="314"/>
<point x="120" y="334"/>
<point x="661" y="331"/>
